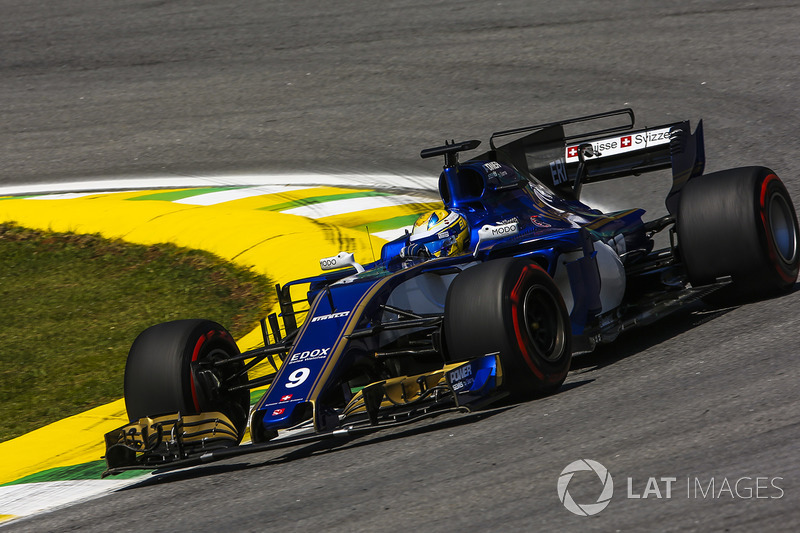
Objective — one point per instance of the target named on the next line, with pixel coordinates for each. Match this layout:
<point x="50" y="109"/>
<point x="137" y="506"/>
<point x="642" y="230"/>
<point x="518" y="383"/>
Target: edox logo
<point x="586" y="509"/>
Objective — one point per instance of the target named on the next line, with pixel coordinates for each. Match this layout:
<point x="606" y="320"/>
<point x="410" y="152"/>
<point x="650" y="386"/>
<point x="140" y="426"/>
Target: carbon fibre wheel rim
<point x="781" y="225"/>
<point x="544" y="323"/>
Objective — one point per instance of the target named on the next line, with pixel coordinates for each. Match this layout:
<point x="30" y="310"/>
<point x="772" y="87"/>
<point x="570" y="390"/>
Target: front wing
<point x="176" y="441"/>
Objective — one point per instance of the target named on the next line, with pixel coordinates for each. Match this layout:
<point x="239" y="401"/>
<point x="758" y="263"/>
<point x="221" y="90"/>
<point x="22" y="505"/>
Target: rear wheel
<point x="170" y="369"/>
<point x="513" y="307"/>
<point x="739" y="223"/>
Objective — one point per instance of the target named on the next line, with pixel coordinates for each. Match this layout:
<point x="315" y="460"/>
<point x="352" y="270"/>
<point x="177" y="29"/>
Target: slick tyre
<point x="170" y="369"/>
<point x="739" y="223"/>
<point x="513" y="307"/>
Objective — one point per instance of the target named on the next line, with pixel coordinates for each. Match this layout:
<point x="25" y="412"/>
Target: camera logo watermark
<point x="586" y="509"/>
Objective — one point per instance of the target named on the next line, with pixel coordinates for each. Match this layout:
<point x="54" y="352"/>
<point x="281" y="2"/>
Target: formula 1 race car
<point x="486" y="299"/>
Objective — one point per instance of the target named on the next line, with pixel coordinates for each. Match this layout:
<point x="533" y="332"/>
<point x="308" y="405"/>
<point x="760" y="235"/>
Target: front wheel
<point x="513" y="307"/>
<point x="170" y="369"/>
<point x="739" y="223"/>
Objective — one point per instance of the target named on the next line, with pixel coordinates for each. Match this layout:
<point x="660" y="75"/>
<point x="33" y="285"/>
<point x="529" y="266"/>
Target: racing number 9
<point x="297" y="377"/>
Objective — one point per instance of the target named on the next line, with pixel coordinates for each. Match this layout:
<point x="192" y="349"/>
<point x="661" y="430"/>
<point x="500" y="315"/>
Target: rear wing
<point x="611" y="148"/>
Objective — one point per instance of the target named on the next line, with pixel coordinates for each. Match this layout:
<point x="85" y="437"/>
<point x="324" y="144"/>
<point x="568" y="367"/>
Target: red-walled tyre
<point x="170" y="369"/>
<point x="513" y="307"/>
<point x="739" y="223"/>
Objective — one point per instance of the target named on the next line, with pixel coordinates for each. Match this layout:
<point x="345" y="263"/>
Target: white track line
<point x="31" y="498"/>
<point x="378" y="181"/>
<point x="219" y="197"/>
<point x="63" y="196"/>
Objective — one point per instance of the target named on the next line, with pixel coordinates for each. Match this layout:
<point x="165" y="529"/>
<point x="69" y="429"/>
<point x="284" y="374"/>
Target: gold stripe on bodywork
<point x="311" y="311"/>
<point x="608" y="219"/>
<point x="338" y="347"/>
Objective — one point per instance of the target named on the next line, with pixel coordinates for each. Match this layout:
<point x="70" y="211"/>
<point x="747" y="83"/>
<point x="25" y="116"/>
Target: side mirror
<point x="340" y="260"/>
<point x="491" y="233"/>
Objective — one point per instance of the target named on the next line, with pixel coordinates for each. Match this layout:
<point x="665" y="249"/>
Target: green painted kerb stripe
<point x="91" y="470"/>
<point x="171" y="196"/>
<point x="256" y="395"/>
<point x="322" y="199"/>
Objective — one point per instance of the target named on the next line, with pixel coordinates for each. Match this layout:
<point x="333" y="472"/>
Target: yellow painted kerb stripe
<point x="283" y="247"/>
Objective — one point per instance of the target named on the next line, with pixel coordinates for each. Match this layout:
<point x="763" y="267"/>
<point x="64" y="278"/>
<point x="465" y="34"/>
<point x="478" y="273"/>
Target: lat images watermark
<point x="663" y="487"/>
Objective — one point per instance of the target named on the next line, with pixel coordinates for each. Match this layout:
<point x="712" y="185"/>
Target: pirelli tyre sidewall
<point x="164" y="372"/>
<point x="513" y="307"/>
<point x="740" y="223"/>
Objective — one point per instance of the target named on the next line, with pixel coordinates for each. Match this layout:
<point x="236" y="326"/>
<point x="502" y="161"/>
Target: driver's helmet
<point x="442" y="232"/>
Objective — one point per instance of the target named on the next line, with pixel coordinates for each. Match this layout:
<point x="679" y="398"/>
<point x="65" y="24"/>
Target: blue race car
<point x="484" y="300"/>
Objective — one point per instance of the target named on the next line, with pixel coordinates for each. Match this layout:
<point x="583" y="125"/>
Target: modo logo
<point x="587" y="509"/>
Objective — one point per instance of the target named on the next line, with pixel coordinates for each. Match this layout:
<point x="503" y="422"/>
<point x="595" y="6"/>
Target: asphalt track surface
<point x="185" y="88"/>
